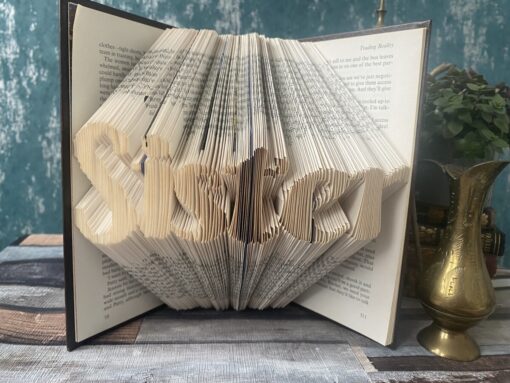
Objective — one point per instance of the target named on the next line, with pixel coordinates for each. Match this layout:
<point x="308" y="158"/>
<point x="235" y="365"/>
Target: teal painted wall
<point x="469" y="33"/>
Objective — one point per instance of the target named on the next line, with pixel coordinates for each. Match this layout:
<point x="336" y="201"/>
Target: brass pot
<point x="456" y="290"/>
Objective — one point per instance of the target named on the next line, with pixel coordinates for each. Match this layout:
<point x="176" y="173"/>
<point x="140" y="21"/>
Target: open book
<point x="213" y="171"/>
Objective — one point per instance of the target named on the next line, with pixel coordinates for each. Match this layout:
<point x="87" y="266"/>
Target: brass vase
<point x="456" y="290"/>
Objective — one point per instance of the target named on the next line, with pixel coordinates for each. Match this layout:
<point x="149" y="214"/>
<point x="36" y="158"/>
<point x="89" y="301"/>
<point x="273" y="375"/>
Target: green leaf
<point x="487" y="117"/>
<point x="478" y="124"/>
<point x="446" y="92"/>
<point x="441" y="101"/>
<point x="484" y="108"/>
<point x="465" y="116"/>
<point x="471" y="137"/>
<point x="501" y="111"/>
<point x="473" y="86"/>
<point x="502" y="123"/>
<point x="452" y="108"/>
<point x="474" y="149"/>
<point x="455" y="127"/>
<point x="498" y="142"/>
<point x="488" y="134"/>
<point x="498" y="102"/>
<point x="456" y="99"/>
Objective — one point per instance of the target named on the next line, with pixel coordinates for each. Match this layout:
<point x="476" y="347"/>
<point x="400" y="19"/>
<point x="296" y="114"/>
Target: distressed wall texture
<point x="469" y="33"/>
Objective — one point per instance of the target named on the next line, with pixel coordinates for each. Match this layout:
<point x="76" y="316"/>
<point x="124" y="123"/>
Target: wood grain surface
<point x="288" y="345"/>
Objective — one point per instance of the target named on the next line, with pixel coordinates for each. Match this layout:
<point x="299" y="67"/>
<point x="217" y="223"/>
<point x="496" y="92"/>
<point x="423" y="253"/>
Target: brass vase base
<point x="449" y="344"/>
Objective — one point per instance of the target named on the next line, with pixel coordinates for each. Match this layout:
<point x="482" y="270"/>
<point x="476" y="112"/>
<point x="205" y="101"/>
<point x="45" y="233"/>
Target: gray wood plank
<point x="239" y="363"/>
<point x="48" y="328"/>
<point x="31" y="327"/>
<point x="288" y="345"/>
<point x="245" y="330"/>
<point x="486" y="333"/>
<point x="291" y="324"/>
<point x="434" y="363"/>
<point x="291" y="312"/>
<point x="43" y="240"/>
<point x="33" y="272"/>
<point x="32" y="297"/>
<point x="381" y="351"/>
<point x="439" y="377"/>
<point x="17" y="253"/>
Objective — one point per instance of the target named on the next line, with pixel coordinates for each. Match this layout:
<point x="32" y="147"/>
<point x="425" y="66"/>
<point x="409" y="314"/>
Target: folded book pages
<point x="233" y="171"/>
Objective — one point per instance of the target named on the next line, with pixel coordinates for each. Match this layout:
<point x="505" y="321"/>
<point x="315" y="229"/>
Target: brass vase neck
<point x="468" y="191"/>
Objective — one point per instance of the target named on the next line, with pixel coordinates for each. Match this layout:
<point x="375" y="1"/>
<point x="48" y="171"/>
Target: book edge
<point x="65" y="118"/>
<point x="65" y="127"/>
<point x="372" y="31"/>
<point x="393" y="342"/>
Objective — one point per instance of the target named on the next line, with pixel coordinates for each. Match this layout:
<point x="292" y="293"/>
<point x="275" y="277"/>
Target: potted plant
<point x="466" y="119"/>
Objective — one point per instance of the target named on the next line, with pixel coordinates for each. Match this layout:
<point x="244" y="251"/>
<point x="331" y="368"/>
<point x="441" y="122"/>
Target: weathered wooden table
<point x="289" y="345"/>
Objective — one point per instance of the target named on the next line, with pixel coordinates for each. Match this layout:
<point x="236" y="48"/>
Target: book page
<point x="105" y="48"/>
<point x="383" y="71"/>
